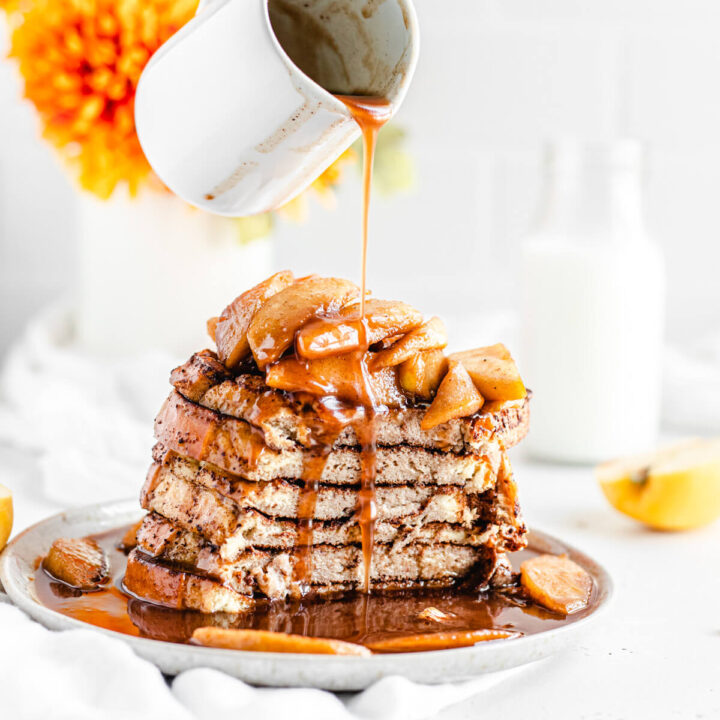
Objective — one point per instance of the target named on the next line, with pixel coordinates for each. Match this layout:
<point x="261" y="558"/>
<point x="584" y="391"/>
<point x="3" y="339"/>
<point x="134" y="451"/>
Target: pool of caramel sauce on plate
<point x="356" y="618"/>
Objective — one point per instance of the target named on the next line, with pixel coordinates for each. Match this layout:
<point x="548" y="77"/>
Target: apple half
<point x="675" y="488"/>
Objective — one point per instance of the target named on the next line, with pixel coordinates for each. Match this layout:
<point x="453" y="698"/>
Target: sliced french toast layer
<point x="270" y="573"/>
<point x="163" y="583"/>
<point x="218" y="518"/>
<point x="281" y="498"/>
<point x="444" y="517"/>
<point x="236" y="446"/>
<point x="285" y="422"/>
<point x="171" y="587"/>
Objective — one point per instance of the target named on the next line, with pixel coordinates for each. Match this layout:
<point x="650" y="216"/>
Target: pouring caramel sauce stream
<point x="370" y="112"/>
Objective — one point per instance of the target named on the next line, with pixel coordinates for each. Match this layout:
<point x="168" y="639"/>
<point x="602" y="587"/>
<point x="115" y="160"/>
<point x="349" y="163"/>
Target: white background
<point x="495" y="79"/>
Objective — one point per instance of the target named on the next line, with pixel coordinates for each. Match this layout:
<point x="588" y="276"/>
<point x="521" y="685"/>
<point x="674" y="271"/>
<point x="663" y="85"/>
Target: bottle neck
<point x="593" y="198"/>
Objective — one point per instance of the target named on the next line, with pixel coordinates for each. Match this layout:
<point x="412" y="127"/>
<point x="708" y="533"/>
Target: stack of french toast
<point x="329" y="445"/>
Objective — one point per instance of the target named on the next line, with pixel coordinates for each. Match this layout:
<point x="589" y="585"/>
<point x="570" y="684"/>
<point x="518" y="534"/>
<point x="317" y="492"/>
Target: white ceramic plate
<point x="277" y="669"/>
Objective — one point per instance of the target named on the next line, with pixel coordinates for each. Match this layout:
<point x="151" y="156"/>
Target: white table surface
<point x="656" y="654"/>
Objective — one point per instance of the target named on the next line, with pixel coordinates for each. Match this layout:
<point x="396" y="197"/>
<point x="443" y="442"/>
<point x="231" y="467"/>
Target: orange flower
<point x="81" y="61"/>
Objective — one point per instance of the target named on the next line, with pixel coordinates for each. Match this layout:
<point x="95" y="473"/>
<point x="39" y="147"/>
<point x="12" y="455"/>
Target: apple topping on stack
<point x="302" y="334"/>
<point x="329" y="445"/>
<point x="384" y="320"/>
<point x="230" y="330"/>
<point x="455" y="397"/>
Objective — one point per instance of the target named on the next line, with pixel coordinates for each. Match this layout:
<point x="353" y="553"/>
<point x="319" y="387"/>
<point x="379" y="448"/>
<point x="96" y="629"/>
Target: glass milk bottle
<point x="592" y="308"/>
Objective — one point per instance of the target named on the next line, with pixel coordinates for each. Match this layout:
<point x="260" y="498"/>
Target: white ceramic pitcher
<point x="235" y="112"/>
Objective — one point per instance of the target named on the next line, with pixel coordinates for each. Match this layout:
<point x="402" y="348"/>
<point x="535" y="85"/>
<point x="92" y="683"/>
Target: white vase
<point x="153" y="270"/>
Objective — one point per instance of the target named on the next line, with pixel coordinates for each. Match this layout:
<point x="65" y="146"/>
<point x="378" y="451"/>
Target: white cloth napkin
<point x="84" y="675"/>
<point x="89" y="420"/>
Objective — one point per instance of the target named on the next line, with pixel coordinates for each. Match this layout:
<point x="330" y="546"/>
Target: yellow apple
<point x="675" y="488"/>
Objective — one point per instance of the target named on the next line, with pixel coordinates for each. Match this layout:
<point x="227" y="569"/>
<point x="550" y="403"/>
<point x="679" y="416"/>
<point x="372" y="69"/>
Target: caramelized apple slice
<point x="456" y="397"/>
<point x="497" y="406"/>
<point x="421" y="374"/>
<point x="385" y="388"/>
<point x="337" y="376"/>
<point x="273" y="328"/>
<point x="325" y="337"/>
<point x="388" y="318"/>
<point x="230" y="331"/>
<point x="495" y="376"/>
<point x="438" y="640"/>
<point x="383" y="319"/>
<point x="557" y="583"/>
<point x="325" y="376"/>
<point x="78" y="562"/>
<point x="429" y="336"/>
<point x="267" y="641"/>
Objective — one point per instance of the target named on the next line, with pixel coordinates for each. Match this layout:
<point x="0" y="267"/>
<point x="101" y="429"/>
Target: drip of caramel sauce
<point x="306" y="514"/>
<point x="370" y="113"/>
<point x="355" y="617"/>
<point x="348" y="400"/>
